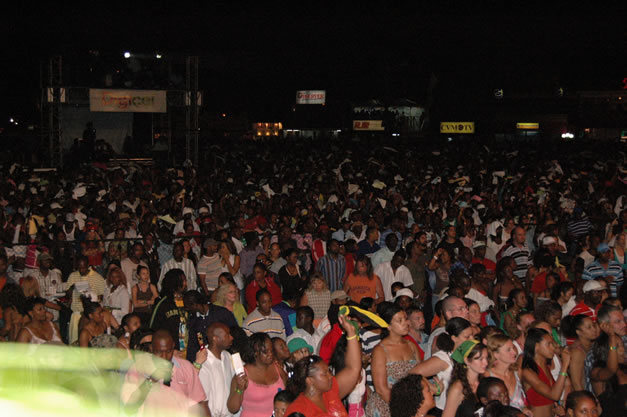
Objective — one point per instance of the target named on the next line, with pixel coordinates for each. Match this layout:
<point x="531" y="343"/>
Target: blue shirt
<point x="595" y="270"/>
<point x="288" y="314"/>
<point x="333" y="270"/>
<point x="364" y="248"/>
<point x="386" y="233"/>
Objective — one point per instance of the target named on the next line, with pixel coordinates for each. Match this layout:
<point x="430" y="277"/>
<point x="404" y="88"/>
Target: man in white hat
<point x="69" y="227"/>
<point x="593" y="294"/>
<point x="188" y="213"/>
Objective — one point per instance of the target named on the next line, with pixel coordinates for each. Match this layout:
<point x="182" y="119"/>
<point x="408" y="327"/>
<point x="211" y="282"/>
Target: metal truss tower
<point x="52" y="95"/>
<point x="192" y="103"/>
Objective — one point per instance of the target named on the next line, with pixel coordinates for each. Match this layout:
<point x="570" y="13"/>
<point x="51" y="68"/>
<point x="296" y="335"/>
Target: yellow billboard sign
<point x="457" y="127"/>
<point x="528" y="126"/>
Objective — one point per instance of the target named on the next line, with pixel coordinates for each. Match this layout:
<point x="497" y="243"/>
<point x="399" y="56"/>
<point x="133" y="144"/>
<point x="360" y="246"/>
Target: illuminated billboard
<point x="370" y="125"/>
<point x="311" y="97"/>
<point x="457" y="127"/>
<point x="127" y="101"/>
<point x="528" y="126"/>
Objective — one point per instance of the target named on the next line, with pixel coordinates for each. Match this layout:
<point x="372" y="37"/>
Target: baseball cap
<point x="602" y="248"/>
<point x="592" y="286"/>
<point x="203" y="210"/>
<point x="404" y="292"/>
<point x="478" y="244"/>
<point x="298" y="343"/>
<point x="45" y="256"/>
<point x="339" y="294"/>
<point x="187" y="210"/>
<point x="547" y="240"/>
<point x="69" y="217"/>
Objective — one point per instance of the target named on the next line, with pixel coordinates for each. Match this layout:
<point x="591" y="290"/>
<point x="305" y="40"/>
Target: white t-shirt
<point x="118" y="300"/>
<point x="444" y="376"/>
<point x="483" y="300"/>
<point x="130" y="271"/>
<point x="215" y="377"/>
<point x="388" y="277"/>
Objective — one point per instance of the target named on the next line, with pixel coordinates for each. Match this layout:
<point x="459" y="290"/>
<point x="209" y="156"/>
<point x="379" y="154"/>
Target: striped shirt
<point x="188" y="268"/>
<point x="522" y="257"/>
<point x="272" y="325"/>
<point x="333" y="270"/>
<point x="596" y="270"/>
<point x="579" y="227"/>
<point x="369" y="340"/>
<point x="96" y="286"/>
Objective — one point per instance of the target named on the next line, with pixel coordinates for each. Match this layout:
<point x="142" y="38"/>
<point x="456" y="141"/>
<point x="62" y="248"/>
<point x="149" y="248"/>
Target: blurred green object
<point x="50" y="380"/>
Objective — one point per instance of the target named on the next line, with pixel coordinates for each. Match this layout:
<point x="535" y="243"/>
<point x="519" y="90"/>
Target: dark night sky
<point x="256" y="55"/>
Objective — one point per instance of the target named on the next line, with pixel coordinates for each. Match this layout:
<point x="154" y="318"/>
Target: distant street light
<point x="127" y="55"/>
<point x="158" y="56"/>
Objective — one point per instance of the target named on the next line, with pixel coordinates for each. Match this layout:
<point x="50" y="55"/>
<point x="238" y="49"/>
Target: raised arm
<point x="611" y="366"/>
<point x="555" y="392"/>
<point x="347" y="378"/>
<point x="429" y="368"/>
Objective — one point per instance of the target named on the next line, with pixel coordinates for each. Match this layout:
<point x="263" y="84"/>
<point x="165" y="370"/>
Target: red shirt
<point x="328" y="343"/>
<point x="332" y="402"/>
<point x="254" y="222"/>
<point x="489" y="265"/>
<point x="539" y="282"/>
<point x="350" y="263"/>
<point x="582" y="308"/>
<point x="318" y="250"/>
<point x="251" y="293"/>
<point x="420" y="351"/>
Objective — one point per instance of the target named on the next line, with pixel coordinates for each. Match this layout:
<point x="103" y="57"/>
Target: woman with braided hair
<point x="319" y="392"/>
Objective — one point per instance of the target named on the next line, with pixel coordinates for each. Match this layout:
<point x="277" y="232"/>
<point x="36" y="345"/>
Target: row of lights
<point x="127" y="55"/>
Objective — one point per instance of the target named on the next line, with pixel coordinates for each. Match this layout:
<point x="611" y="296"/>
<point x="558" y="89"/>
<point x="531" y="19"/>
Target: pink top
<point x="185" y="381"/>
<point x="258" y="399"/>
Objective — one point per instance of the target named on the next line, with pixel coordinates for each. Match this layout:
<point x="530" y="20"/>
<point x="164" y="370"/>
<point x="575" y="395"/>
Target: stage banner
<point x="127" y="101"/>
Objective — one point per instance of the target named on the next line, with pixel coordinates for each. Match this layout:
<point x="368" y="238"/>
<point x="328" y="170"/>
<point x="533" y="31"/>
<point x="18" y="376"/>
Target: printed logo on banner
<point x="457" y="127"/>
<point x="311" y="97"/>
<point x="372" y="125"/>
<point x="132" y="101"/>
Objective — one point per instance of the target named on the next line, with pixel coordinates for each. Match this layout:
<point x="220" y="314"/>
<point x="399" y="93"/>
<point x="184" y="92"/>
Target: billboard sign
<point x="528" y="126"/>
<point x="127" y="101"/>
<point x="457" y="127"/>
<point x="368" y="125"/>
<point x="311" y="97"/>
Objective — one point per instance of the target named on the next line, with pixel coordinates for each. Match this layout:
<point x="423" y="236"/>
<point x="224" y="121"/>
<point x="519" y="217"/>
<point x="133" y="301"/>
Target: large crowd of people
<point x="335" y="277"/>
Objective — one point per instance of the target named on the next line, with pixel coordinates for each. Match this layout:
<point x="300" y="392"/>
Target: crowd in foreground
<point x="335" y="278"/>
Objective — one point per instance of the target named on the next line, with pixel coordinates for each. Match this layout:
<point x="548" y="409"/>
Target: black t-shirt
<point x="614" y="404"/>
<point x="198" y="324"/>
<point x="167" y="316"/>
<point x="452" y="248"/>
